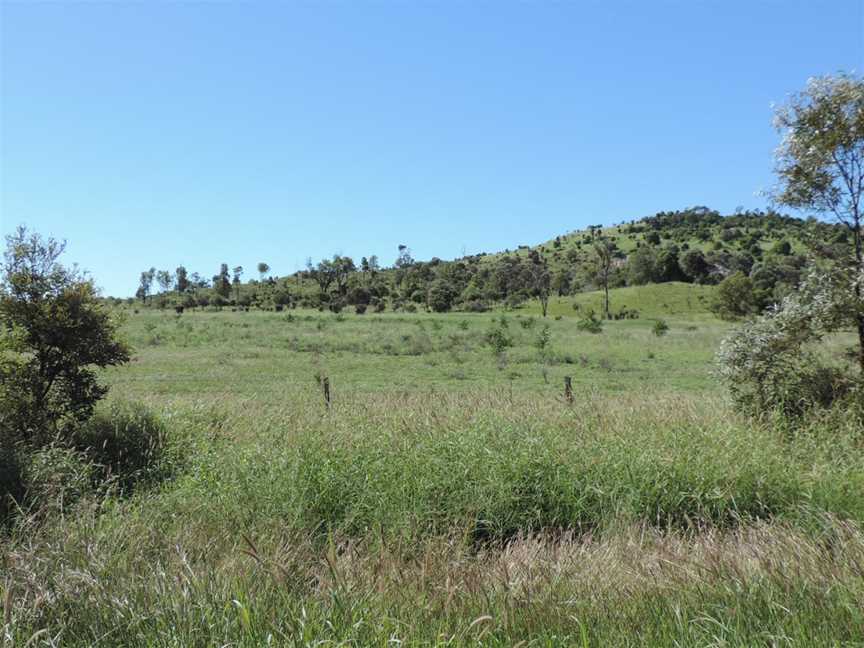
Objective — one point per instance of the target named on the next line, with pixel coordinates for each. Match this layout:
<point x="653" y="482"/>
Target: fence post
<point x="568" y="390"/>
<point x="326" y="384"/>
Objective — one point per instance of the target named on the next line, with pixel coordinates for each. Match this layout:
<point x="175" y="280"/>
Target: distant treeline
<point x="762" y="252"/>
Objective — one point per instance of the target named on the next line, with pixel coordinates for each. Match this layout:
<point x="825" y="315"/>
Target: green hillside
<point x="686" y="252"/>
<point x="652" y="300"/>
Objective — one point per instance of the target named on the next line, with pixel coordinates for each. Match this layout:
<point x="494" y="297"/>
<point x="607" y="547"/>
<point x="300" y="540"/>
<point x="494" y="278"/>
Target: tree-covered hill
<point x="759" y="255"/>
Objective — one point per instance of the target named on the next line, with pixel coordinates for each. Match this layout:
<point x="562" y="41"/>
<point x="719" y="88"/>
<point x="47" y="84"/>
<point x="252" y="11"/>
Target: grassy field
<point x="450" y="495"/>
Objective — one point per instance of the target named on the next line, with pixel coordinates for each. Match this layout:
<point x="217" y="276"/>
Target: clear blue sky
<point x="161" y="133"/>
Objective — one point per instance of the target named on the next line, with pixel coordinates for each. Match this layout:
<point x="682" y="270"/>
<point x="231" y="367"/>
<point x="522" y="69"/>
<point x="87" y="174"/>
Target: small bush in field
<point x="543" y="339"/>
<point x="590" y="323"/>
<point x="498" y="339"/>
<point x="660" y="328"/>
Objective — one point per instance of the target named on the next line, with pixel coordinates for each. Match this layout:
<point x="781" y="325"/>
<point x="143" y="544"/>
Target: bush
<point x="497" y="338"/>
<point x="768" y="364"/>
<point x="359" y="309"/>
<point x="660" y="328"/>
<point x="735" y="298"/>
<point x="476" y="306"/>
<point x="441" y="296"/>
<point x="590" y="324"/>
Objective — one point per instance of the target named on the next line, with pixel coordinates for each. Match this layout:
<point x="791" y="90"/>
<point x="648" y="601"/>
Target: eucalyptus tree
<point x="820" y="166"/>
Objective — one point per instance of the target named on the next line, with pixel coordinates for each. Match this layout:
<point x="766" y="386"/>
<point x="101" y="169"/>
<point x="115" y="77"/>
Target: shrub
<point x="543" y="339"/>
<point x="497" y="338"/>
<point x="660" y="328"/>
<point x="767" y="363"/>
<point x="441" y="296"/>
<point x="589" y="323"/>
<point x="735" y="297"/>
<point x="360" y="309"/>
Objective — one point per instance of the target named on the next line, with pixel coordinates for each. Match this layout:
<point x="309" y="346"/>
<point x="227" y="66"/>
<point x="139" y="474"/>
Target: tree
<point x="374" y="267"/>
<point x="263" y="269"/>
<point x="238" y="272"/>
<point x="165" y="280"/>
<point x="323" y="274"/>
<point x="735" y="297"/>
<point x="342" y="266"/>
<point x="694" y="265"/>
<point x="441" y="296"/>
<point x="562" y="282"/>
<point x="541" y="284"/>
<point x="600" y="268"/>
<point x="404" y="260"/>
<point x="820" y="162"/>
<point x="221" y="283"/>
<point x="145" y="284"/>
<point x="642" y="265"/>
<point x="53" y="330"/>
<point x="182" y="279"/>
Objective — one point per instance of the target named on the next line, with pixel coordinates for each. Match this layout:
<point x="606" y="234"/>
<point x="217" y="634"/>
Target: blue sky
<point x="155" y="134"/>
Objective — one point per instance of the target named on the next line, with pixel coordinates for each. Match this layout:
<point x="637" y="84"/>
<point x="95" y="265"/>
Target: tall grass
<point x="454" y="519"/>
<point x="423" y="510"/>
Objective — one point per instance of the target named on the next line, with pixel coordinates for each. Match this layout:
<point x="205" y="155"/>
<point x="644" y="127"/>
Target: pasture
<point x="450" y="494"/>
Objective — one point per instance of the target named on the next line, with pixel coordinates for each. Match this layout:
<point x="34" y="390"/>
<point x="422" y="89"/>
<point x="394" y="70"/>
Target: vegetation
<point x="522" y="473"/>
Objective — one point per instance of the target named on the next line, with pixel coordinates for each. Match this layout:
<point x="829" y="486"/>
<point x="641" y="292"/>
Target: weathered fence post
<point x="568" y="390"/>
<point x="326" y="384"/>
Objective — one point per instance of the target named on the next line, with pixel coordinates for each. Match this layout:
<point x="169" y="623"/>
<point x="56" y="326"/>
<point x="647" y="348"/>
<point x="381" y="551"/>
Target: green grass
<point x="674" y="299"/>
<point x="451" y="496"/>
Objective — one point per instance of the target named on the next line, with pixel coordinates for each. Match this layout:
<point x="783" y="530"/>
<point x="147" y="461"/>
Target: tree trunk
<point x="861" y="341"/>
<point x="859" y="319"/>
<point x="606" y="305"/>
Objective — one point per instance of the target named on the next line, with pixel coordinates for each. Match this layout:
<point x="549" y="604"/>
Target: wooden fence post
<point x="326" y="384"/>
<point x="568" y="390"/>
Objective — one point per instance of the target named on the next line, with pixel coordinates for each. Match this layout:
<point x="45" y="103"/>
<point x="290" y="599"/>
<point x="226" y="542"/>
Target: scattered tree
<point x="53" y="330"/>
<point x="820" y="163"/>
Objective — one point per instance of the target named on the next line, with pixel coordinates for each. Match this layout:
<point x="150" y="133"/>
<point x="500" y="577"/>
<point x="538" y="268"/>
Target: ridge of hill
<point x="696" y="246"/>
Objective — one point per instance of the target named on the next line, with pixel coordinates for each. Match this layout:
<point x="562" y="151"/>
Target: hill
<point x="696" y="247"/>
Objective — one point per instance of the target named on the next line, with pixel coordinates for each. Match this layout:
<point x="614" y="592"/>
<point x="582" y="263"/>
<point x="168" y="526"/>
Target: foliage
<point x="543" y="339"/>
<point x="768" y="364"/>
<point x="498" y="339"/>
<point x="820" y="162"/>
<point x="441" y="296"/>
<point x="54" y="331"/>
<point x="735" y="297"/>
<point x="660" y="328"/>
<point x="590" y="323"/>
